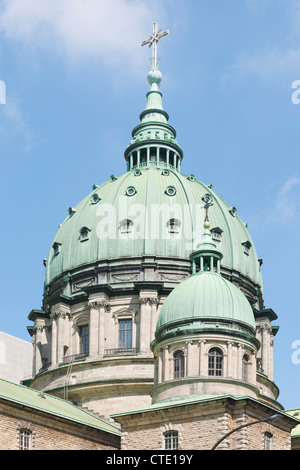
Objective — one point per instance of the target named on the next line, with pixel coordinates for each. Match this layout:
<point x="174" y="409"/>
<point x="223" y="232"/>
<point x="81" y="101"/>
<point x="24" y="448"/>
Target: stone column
<point x="145" y="324"/>
<point x="103" y="308"/>
<point x="271" y="362"/>
<point x="229" y="362"/>
<point x="253" y="368"/>
<point x="97" y="326"/>
<point x="202" y="369"/>
<point x="94" y="328"/>
<point x="159" y="367"/>
<point x="239" y="361"/>
<point x="265" y="348"/>
<point x="38" y="345"/>
<point x="53" y="339"/>
<point x="166" y="364"/>
<point x="61" y="315"/>
<point x="154" y="303"/>
<point x="188" y="358"/>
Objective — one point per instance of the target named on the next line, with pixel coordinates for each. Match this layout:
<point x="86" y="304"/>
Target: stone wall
<point x="49" y="433"/>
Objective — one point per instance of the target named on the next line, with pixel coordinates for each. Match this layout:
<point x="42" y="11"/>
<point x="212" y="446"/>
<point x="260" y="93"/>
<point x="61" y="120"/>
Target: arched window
<point x="178" y="364"/>
<point x="215" y="362"/>
<point x="245" y="367"/>
<point x="171" y="440"/>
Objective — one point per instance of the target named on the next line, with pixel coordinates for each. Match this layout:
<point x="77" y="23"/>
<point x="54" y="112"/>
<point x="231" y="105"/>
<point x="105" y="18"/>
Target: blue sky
<point x="75" y="77"/>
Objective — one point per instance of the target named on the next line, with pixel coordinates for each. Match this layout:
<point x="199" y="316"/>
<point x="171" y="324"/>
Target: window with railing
<point x="125" y="333"/>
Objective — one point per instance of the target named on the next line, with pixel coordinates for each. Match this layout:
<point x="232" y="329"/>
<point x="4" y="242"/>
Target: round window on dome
<point x="137" y="173"/>
<point x="171" y="191"/>
<point x="95" y="198"/>
<point x="165" y="173"/>
<point x="130" y="191"/>
<point x="207" y="199"/>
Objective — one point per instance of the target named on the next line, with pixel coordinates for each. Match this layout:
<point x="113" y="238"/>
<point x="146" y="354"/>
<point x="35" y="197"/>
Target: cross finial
<point x="208" y="203"/>
<point x="152" y="41"/>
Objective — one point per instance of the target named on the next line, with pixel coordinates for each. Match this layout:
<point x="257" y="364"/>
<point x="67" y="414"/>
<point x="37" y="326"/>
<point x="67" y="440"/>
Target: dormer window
<point x="247" y="245"/>
<point x="126" y="226"/>
<point x="216" y="234"/>
<point x="71" y="211"/>
<point x="173" y="225"/>
<point x="56" y="248"/>
<point x="233" y="211"/>
<point x="84" y="233"/>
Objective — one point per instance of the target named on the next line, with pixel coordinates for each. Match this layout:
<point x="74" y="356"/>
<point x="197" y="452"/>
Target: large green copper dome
<point x="151" y="210"/>
<point x="143" y="198"/>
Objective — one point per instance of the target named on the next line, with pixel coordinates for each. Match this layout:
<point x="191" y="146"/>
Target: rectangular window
<point x="24" y="440"/>
<point x="125" y="334"/>
<point x="171" y="440"/>
<point x="84" y="339"/>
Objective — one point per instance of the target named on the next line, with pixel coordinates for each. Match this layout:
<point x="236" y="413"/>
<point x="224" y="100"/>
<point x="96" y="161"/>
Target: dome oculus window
<point x="137" y="173"/>
<point x="207" y="199"/>
<point x="171" y="191"/>
<point x="165" y="173"/>
<point x="95" y="199"/>
<point x="126" y="226"/>
<point x="130" y="191"/>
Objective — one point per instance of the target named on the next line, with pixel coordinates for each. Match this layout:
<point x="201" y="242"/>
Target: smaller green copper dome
<point x="205" y="296"/>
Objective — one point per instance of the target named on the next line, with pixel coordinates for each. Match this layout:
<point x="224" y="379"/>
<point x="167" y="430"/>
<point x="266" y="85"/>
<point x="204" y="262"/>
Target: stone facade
<point x="201" y="423"/>
<point x="53" y="430"/>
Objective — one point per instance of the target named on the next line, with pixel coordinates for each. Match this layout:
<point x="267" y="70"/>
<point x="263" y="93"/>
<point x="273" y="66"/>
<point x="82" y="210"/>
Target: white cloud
<point x="286" y="206"/>
<point x="109" y="31"/>
<point x="14" y="124"/>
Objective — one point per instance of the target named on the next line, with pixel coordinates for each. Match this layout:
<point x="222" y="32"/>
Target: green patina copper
<point x="149" y="208"/>
<point x="205" y="296"/>
<point x="150" y="194"/>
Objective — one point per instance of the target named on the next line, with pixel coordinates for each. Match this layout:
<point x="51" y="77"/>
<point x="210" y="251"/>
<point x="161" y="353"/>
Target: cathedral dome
<point x="153" y="211"/>
<point x="205" y="297"/>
